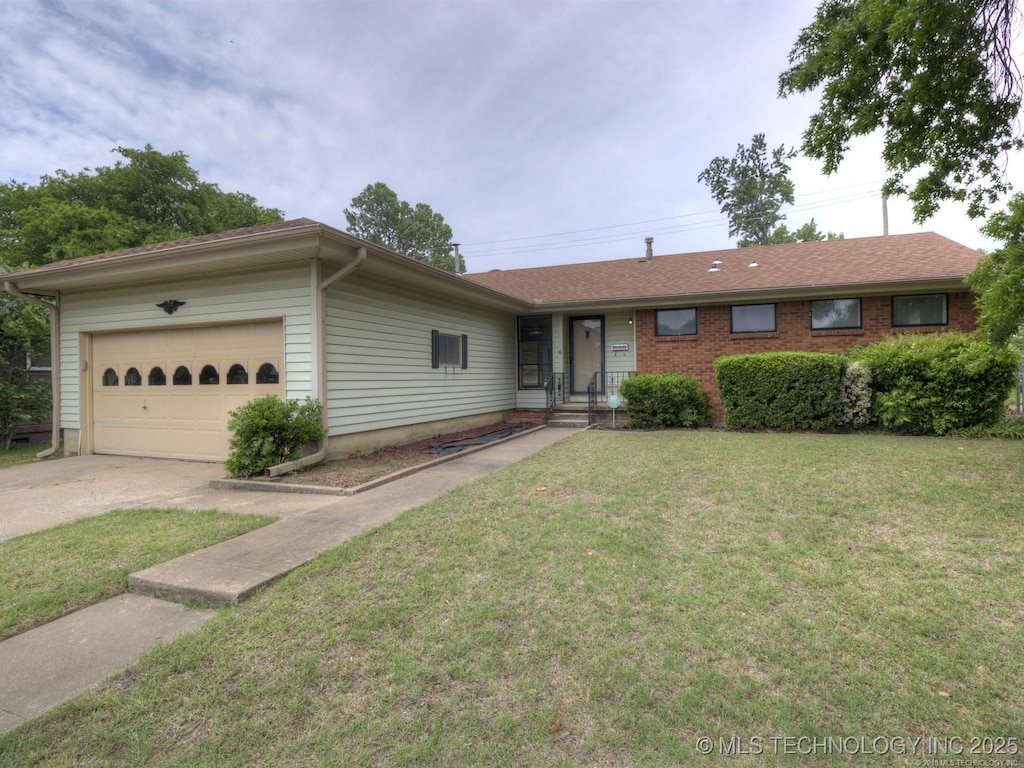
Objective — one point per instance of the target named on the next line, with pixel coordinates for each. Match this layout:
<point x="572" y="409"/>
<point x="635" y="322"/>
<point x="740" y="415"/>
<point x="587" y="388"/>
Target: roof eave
<point x="747" y="295"/>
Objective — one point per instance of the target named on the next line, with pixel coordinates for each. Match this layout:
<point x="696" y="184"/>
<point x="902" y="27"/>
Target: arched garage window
<point x="132" y="378"/>
<point x="267" y="374"/>
<point x="182" y="376"/>
<point x="237" y="374"/>
<point x="110" y="378"/>
<point x="209" y="375"/>
<point x="157" y="377"/>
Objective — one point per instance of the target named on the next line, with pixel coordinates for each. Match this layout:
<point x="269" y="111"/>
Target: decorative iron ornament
<point x="171" y="306"/>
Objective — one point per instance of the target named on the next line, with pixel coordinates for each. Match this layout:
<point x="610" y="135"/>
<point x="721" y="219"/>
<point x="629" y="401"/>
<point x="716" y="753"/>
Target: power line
<point x="626" y="236"/>
<point x="874" y="184"/>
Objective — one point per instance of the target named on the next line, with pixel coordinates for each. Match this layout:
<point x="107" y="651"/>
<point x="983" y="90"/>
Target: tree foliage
<point x="146" y="197"/>
<point x="936" y="76"/>
<point x="379" y="216"/>
<point x="751" y="189"/>
<point x="23" y="397"/>
<point x="998" y="278"/>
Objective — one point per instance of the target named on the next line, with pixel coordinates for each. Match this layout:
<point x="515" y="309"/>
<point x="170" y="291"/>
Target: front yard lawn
<point x="48" y="574"/>
<point x="609" y="602"/>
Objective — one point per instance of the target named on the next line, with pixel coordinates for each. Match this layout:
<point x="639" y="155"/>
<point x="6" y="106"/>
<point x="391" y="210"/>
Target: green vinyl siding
<point x="277" y="294"/>
<point x="379" y="359"/>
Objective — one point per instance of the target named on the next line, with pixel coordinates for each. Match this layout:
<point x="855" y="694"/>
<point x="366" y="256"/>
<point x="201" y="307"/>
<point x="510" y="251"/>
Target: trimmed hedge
<point x="938" y="383"/>
<point x="781" y="390"/>
<point x="659" y="400"/>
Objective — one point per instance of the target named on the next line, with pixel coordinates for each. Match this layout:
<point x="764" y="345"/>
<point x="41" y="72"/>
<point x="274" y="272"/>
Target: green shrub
<point x="780" y="390"/>
<point x="938" y="383"/>
<point x="855" y="396"/>
<point x="659" y="400"/>
<point x="269" y="431"/>
<point x="1009" y="427"/>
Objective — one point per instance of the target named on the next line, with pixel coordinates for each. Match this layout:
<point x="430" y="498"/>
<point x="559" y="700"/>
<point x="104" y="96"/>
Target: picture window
<point x="830" y="314"/>
<point x="753" y="318"/>
<point x="675" y="322"/>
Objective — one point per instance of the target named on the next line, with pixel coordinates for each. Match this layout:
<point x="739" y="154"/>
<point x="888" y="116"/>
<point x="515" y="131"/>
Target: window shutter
<point x="465" y="351"/>
<point x="435" y="349"/>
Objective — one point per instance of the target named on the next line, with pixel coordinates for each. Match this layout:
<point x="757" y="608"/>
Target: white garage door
<point x="168" y="393"/>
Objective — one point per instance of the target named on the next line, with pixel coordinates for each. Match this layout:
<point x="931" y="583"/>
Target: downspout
<point x="54" y="309"/>
<point x="313" y="458"/>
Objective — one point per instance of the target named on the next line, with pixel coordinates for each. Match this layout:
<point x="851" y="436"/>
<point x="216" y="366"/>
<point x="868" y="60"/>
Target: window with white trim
<point x="448" y="350"/>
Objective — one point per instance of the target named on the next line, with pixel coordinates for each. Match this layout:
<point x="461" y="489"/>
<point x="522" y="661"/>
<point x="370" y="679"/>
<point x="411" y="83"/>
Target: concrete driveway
<point x="47" y="493"/>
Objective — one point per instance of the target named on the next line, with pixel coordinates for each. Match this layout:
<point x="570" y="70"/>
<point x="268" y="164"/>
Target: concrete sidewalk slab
<point x="231" y="571"/>
<point x="56" y="662"/>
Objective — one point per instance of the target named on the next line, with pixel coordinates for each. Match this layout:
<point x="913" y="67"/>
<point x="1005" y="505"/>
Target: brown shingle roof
<point x="171" y="245"/>
<point x="855" y="262"/>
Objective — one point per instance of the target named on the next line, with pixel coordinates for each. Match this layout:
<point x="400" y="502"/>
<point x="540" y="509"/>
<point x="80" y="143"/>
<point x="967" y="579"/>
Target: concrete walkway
<point x="50" y="665"/>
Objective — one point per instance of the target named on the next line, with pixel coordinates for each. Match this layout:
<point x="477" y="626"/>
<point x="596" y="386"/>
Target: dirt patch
<point x="364" y="467"/>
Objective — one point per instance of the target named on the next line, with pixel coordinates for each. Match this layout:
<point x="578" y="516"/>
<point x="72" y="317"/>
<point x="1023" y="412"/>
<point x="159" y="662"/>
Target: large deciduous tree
<point x="379" y="216"/>
<point x="146" y="197"/>
<point x="936" y="76"/>
<point x="998" y="278"/>
<point x="751" y="189"/>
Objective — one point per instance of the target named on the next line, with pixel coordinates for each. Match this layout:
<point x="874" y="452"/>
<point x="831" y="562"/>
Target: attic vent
<point x="716" y="265"/>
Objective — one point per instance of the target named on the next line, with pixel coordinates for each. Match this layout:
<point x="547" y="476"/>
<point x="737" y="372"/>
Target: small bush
<point x="269" y="431"/>
<point x="855" y="396"/>
<point x="938" y="383"/>
<point x="780" y="390"/>
<point x="660" y="400"/>
<point x="1009" y="428"/>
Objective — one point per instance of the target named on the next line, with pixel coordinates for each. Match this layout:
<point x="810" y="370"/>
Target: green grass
<point x="607" y="603"/>
<point x="48" y="574"/>
<point x="21" y="454"/>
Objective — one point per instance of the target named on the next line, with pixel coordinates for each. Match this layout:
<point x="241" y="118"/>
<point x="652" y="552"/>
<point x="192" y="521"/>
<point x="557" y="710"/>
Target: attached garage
<point x="167" y="393"/>
<point x="158" y="344"/>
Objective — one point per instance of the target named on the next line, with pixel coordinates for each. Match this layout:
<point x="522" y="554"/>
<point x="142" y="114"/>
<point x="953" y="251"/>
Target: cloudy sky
<point x="544" y="132"/>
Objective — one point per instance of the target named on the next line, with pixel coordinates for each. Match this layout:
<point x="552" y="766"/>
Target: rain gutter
<point x="54" y="309"/>
<point x="313" y="458"/>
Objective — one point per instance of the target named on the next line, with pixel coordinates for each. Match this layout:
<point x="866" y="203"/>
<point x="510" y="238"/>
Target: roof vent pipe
<point x="650" y="247"/>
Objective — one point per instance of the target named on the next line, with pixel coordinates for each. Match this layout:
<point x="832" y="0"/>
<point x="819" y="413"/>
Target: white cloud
<point x="511" y="119"/>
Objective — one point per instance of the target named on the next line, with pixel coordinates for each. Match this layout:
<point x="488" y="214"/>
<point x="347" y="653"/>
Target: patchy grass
<point x="609" y="602"/>
<point x="22" y="454"/>
<point x="48" y="574"/>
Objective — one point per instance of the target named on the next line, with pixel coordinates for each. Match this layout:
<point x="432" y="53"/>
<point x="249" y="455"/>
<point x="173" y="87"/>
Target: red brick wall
<point x="695" y="355"/>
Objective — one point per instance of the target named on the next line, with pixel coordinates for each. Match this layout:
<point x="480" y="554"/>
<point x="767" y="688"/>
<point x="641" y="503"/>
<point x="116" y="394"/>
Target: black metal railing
<point x="555" y="389"/>
<point x="602" y="385"/>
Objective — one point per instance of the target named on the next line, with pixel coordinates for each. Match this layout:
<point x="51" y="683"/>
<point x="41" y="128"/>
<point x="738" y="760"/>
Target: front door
<point x="586" y="353"/>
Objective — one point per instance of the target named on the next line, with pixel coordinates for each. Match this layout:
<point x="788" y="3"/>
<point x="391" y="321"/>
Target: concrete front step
<point x="568" y="422"/>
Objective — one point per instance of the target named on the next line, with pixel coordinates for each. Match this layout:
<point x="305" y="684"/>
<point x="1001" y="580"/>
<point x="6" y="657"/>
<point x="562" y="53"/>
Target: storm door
<point x="586" y="353"/>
